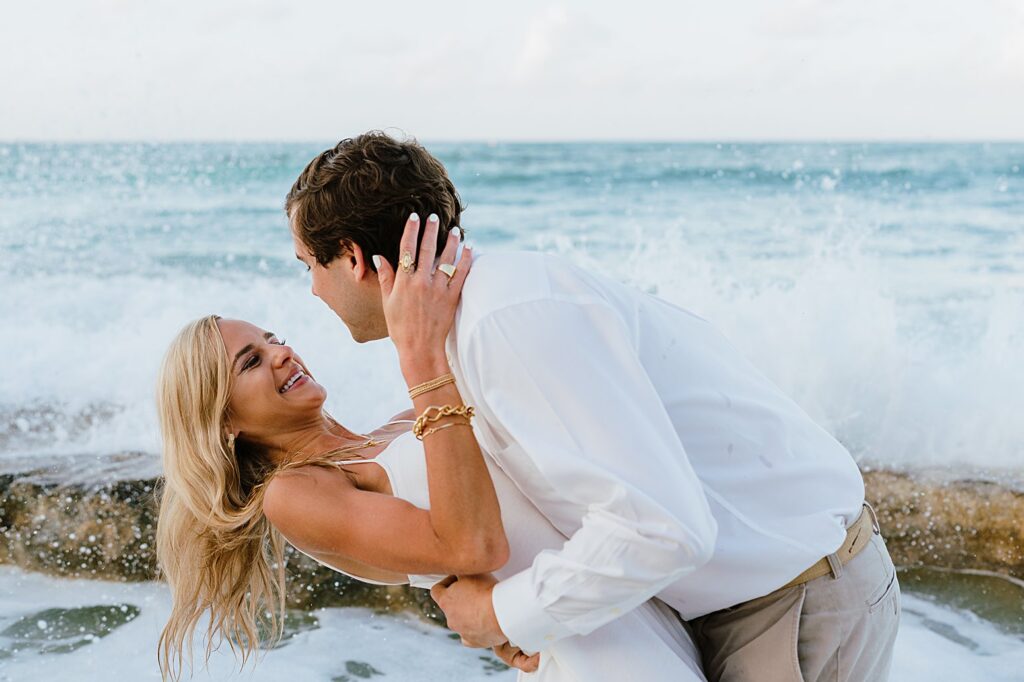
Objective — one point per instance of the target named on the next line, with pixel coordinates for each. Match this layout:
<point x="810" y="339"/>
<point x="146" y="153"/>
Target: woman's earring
<point x="231" y="443"/>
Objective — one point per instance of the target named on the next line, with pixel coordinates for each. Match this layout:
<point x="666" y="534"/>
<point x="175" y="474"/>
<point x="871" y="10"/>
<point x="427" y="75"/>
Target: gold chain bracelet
<point x="440" y="411"/>
<point x="428" y="386"/>
<point x="442" y="426"/>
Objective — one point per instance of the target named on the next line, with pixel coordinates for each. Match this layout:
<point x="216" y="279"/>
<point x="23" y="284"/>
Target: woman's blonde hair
<point x="214" y="546"/>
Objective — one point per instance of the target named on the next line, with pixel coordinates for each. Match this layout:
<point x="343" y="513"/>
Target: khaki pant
<point x="839" y="629"/>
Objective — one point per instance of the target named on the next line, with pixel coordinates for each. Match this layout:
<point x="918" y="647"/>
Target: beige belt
<point x="857" y="538"/>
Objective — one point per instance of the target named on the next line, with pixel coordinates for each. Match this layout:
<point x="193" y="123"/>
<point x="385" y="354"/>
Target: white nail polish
<point x="376" y="262"/>
<point x="457" y="231"/>
<point x="432" y="217"/>
<point x="415" y="217"/>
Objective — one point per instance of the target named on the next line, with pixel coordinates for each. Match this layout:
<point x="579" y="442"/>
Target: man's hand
<point x="466" y="602"/>
<point x="514" y="657"/>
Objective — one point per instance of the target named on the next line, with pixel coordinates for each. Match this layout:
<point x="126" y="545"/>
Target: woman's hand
<point x="419" y="302"/>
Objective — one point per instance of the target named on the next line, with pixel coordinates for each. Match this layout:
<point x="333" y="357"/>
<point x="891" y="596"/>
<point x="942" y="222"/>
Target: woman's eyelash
<point x="249" y="363"/>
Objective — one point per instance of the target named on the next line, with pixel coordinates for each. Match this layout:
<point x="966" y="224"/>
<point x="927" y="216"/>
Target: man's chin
<point x="368" y="338"/>
<point x="362" y="333"/>
<point x="366" y="335"/>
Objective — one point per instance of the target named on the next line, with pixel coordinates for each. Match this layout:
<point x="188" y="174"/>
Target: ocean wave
<point x="896" y="382"/>
<point x="88" y="359"/>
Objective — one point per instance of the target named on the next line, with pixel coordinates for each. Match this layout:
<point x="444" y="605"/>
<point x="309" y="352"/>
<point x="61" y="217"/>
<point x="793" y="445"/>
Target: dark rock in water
<point x="59" y="631"/>
<point x="95" y="517"/>
<point x="295" y="623"/>
<point x="990" y="596"/>
<point x="360" y="670"/>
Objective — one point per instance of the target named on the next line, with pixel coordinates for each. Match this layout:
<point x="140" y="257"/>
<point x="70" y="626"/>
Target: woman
<point x="251" y="459"/>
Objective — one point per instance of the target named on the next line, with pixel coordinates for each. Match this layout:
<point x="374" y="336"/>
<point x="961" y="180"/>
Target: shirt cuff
<point x="521" y="616"/>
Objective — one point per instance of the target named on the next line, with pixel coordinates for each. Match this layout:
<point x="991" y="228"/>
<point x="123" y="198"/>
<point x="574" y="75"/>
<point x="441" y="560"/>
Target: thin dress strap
<point x="374" y="460"/>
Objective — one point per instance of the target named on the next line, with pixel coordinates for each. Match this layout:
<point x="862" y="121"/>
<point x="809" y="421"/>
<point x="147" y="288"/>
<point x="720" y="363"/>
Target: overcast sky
<point x="444" y="70"/>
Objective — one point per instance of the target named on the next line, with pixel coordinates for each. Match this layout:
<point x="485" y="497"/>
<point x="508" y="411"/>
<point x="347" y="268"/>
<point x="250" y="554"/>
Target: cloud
<point x="540" y="43"/>
<point x="795" y="19"/>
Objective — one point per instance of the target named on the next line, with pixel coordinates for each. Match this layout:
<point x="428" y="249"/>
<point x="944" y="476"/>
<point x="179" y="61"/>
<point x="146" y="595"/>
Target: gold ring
<point x="407" y="263"/>
<point x="448" y="269"/>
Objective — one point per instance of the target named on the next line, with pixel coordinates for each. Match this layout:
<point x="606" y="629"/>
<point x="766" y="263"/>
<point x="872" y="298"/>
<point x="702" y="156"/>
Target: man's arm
<point x="563" y="380"/>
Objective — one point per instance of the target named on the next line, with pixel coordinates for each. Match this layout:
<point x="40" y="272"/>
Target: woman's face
<point x="271" y="389"/>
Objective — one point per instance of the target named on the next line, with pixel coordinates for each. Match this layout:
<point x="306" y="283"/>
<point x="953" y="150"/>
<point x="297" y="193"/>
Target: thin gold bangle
<point x="428" y="386"/>
<point x="439" y="428"/>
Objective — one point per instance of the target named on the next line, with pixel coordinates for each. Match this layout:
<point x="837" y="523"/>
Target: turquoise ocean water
<point x="882" y="285"/>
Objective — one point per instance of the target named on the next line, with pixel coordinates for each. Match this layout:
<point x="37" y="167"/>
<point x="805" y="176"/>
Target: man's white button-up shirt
<point x="671" y="464"/>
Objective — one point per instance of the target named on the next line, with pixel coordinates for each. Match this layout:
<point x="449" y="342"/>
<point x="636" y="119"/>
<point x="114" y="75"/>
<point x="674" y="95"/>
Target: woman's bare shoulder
<point x="298" y="501"/>
<point x="300" y="483"/>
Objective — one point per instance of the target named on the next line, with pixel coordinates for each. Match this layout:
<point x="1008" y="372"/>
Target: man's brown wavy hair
<point x="361" y="192"/>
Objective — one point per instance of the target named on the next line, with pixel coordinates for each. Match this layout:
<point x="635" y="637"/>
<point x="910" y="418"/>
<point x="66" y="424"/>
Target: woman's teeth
<point x="291" y="382"/>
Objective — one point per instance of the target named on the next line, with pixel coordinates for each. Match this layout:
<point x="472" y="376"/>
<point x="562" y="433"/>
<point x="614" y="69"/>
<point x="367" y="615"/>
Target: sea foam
<point x="934" y="642"/>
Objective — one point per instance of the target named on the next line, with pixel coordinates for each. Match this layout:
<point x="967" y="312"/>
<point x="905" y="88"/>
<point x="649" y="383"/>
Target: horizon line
<point x="526" y="141"/>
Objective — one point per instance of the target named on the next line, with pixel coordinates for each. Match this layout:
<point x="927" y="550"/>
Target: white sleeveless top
<point x="528" y="531"/>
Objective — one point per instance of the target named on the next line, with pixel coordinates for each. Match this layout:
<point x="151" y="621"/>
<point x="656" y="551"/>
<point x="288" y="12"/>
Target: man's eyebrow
<point x="248" y="347"/>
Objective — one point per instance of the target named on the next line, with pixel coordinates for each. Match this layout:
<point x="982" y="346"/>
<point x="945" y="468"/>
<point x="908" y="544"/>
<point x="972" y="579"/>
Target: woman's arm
<point x="419" y="307"/>
<point x="325" y="515"/>
<point x="462" y="532"/>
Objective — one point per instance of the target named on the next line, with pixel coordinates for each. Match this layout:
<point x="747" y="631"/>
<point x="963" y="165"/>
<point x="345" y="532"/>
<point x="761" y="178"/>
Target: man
<point x="673" y="467"/>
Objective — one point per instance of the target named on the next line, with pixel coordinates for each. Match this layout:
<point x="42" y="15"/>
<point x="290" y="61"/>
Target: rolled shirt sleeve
<point x="562" y="380"/>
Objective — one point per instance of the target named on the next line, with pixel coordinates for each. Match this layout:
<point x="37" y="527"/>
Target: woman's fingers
<point x="428" y="246"/>
<point x="386" y="275"/>
<point x="451" y="246"/>
<point x="420" y="306"/>
<point x="407" y="245"/>
<point x="461" y="271"/>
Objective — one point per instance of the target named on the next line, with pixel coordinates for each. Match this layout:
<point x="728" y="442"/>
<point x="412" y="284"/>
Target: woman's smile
<point x="298" y="379"/>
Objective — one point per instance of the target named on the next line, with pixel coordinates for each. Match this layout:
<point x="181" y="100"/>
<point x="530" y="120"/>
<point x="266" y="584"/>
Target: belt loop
<point x="874" y="519"/>
<point x="835" y="566"/>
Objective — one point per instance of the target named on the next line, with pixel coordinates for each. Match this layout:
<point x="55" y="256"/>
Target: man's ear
<point x="360" y="262"/>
